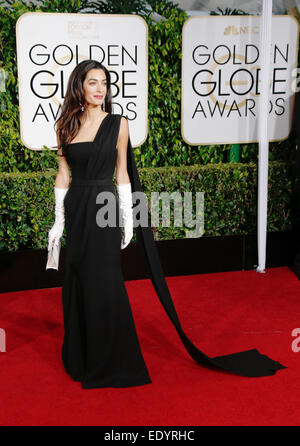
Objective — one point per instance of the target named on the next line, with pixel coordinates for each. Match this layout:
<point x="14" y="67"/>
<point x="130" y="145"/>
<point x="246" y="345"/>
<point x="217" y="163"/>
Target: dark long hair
<point x="68" y="123"/>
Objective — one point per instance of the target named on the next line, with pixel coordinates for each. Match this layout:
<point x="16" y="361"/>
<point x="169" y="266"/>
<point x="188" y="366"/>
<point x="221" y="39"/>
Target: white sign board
<point x="221" y="78"/>
<point x="50" y="45"/>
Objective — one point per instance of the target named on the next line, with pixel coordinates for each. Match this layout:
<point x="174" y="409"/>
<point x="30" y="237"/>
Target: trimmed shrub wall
<point x="230" y="200"/>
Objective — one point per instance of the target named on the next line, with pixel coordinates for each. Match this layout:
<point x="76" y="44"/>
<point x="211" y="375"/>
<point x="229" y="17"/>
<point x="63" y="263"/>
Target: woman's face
<point x="94" y="87"/>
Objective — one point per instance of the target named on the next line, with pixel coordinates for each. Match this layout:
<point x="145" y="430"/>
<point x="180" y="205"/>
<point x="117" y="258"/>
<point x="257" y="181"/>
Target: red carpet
<point x="221" y="313"/>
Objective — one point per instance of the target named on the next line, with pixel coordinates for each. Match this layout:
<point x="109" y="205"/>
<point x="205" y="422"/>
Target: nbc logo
<point x="241" y="30"/>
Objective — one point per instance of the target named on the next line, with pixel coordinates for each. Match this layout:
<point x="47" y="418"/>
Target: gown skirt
<point x="100" y="346"/>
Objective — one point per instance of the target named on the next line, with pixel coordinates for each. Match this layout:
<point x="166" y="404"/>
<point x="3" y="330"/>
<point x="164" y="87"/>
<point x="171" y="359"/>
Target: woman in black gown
<point x="100" y="346"/>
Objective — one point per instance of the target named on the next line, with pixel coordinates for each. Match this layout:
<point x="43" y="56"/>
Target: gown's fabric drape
<point x="246" y="363"/>
<point x="100" y="345"/>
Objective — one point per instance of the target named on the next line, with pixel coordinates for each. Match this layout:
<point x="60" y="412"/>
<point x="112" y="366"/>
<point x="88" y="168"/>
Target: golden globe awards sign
<point x="221" y="78"/>
<point x="50" y="45"/>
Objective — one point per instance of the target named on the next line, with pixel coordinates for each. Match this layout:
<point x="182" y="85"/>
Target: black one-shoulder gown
<point x="100" y="346"/>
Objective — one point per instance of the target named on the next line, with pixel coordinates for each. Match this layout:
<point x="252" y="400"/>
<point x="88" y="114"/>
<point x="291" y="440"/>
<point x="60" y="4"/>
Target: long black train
<point x="249" y="363"/>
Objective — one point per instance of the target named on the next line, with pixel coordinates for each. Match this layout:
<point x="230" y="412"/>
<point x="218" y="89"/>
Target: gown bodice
<point x="95" y="159"/>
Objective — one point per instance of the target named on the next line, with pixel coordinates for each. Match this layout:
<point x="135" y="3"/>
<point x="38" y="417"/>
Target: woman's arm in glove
<point x="61" y="187"/>
<point x="124" y="185"/>
<point x="126" y="215"/>
<point x="57" y="229"/>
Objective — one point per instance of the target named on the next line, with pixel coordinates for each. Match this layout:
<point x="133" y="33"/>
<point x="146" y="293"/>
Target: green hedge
<point x="230" y="200"/>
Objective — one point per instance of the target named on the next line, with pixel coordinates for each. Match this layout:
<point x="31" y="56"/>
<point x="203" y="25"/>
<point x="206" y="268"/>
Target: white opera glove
<point x="126" y="213"/>
<point x="57" y="229"/>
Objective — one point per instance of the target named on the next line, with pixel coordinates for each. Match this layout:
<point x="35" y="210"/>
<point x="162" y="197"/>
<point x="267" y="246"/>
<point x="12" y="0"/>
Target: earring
<point x="82" y="107"/>
<point x="103" y="105"/>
